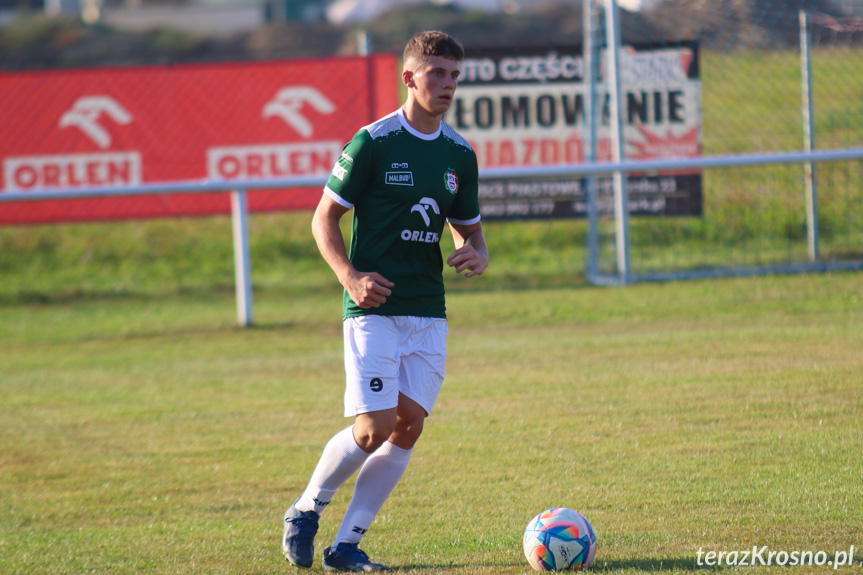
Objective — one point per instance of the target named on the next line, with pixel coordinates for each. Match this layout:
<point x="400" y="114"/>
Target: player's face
<point x="433" y="83"/>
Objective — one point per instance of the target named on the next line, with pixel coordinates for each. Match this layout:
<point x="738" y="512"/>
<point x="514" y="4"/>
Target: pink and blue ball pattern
<point x="558" y="539"/>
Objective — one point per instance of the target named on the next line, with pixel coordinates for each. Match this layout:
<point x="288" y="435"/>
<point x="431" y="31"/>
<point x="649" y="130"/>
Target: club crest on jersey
<point x="451" y="181"/>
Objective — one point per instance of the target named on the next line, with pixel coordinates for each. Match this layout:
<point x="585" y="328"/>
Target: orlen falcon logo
<point x="288" y="102"/>
<point x="280" y="160"/>
<point x="91" y="115"/>
<point x="424" y="205"/>
<point x="88" y="111"/>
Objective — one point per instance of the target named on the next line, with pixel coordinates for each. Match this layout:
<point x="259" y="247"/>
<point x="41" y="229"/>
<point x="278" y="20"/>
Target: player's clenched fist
<point x="368" y="290"/>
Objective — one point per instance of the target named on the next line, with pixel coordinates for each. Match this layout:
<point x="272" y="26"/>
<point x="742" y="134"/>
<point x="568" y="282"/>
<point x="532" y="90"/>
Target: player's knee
<point x="372" y="435"/>
<point x="407" y="432"/>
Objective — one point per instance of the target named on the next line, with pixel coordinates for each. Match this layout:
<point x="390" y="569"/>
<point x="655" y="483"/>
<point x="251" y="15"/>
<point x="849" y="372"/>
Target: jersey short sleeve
<point x="465" y="208"/>
<point x="351" y="173"/>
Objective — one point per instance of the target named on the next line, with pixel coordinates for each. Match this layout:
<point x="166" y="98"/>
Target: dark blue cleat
<point x="298" y="542"/>
<point x="349" y="557"/>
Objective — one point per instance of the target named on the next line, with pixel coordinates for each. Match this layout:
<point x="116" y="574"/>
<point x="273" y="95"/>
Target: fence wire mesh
<point x="751" y="75"/>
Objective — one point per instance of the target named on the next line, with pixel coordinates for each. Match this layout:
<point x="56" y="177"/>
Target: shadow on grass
<point x="653" y="565"/>
<point x="650" y="565"/>
<point x="498" y="280"/>
<point x="437" y="567"/>
<point x="65" y="295"/>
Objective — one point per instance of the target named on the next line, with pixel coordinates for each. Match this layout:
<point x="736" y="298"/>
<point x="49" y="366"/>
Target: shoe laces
<point x="307" y="526"/>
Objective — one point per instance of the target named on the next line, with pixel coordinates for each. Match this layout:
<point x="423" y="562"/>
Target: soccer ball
<point x="559" y="539"/>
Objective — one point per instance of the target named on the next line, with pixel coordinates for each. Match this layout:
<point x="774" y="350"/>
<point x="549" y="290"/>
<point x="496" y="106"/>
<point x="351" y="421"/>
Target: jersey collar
<point x="411" y="130"/>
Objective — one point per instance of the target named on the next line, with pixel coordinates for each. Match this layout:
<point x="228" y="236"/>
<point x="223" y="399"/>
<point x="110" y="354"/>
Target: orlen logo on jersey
<point x="422" y="208"/>
<point x="278" y="160"/>
<point x="91" y="115"/>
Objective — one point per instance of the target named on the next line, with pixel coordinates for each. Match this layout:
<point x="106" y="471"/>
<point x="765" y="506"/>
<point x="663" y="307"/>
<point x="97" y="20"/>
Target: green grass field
<point x="142" y="432"/>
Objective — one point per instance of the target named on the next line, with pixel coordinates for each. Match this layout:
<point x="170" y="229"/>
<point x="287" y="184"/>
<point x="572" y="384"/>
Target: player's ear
<point x="408" y="79"/>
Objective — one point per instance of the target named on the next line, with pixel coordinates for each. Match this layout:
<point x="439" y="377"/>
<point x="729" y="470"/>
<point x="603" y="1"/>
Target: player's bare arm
<point x="367" y="289"/>
<point x="471" y="252"/>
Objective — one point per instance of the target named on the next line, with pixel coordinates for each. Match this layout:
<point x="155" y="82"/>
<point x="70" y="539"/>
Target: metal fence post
<point x="591" y="53"/>
<point x="621" y="197"/>
<point x="808" y="134"/>
<point x="364" y="43"/>
<point x="242" y="260"/>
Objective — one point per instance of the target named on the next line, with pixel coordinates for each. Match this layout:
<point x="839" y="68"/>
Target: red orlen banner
<point x="221" y="122"/>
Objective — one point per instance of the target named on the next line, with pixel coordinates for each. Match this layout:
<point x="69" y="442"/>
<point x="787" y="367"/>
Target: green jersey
<point x="403" y="186"/>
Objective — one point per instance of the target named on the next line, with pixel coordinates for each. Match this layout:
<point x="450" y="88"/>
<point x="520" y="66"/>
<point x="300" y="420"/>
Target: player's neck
<point x="421" y="119"/>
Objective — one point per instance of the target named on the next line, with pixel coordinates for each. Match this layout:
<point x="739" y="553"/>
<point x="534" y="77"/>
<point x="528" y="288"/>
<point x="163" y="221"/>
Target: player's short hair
<point x="431" y="43"/>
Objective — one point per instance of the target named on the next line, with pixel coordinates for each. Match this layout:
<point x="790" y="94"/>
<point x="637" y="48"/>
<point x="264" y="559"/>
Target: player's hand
<point x="467" y="258"/>
<point x="368" y="289"/>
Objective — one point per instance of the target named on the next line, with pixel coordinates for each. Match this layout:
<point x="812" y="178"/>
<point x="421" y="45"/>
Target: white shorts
<point x="388" y="355"/>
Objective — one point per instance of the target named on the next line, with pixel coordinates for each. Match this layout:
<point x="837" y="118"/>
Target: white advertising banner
<point x="527" y="110"/>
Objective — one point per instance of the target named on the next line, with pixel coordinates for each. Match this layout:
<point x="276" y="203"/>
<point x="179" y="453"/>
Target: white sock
<point x="374" y="484"/>
<point x="341" y="459"/>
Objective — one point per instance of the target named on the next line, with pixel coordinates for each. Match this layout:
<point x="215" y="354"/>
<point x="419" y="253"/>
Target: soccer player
<point x="404" y="176"/>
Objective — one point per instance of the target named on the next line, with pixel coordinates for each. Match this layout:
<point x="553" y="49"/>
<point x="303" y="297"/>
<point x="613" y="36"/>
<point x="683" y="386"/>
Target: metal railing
<point x="240" y="188"/>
